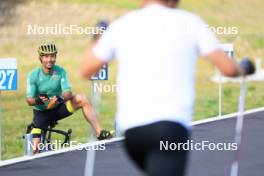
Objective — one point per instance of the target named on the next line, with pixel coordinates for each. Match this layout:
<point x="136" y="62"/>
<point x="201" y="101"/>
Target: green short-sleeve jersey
<point x="52" y="84"/>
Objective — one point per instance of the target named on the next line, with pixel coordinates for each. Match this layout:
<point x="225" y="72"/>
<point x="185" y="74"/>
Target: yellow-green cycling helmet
<point x="47" y="48"/>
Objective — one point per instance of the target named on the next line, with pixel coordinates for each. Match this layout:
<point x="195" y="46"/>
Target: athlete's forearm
<point x="31" y="101"/>
<point x="36" y="101"/>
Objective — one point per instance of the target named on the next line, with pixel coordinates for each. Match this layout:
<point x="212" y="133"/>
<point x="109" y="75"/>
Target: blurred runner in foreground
<point x="157" y="48"/>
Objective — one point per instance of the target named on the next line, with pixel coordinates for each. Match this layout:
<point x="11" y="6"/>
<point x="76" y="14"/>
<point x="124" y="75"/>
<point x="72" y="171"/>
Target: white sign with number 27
<point x="8" y="74"/>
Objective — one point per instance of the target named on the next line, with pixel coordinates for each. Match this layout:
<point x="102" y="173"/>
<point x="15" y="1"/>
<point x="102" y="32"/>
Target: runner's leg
<point x="143" y="146"/>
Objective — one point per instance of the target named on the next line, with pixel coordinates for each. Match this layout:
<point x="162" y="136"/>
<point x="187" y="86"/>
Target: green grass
<point x="127" y="4"/>
<point x="245" y="14"/>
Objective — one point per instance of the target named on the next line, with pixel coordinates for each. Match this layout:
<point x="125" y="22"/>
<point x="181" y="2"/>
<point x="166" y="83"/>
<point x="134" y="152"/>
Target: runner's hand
<point x="248" y="66"/>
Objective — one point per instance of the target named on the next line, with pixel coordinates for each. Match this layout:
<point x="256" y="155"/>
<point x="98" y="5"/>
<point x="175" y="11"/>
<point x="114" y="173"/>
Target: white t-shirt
<point x="156" y="48"/>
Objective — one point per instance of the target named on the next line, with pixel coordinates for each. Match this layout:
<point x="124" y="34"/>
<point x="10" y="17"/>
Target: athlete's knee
<point x="82" y="100"/>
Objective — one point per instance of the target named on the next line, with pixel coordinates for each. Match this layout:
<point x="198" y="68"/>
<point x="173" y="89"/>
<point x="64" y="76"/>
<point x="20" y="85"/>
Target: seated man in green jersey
<point x="49" y="91"/>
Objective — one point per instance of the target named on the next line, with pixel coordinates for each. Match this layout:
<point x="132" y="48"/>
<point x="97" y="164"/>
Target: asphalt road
<point x="113" y="160"/>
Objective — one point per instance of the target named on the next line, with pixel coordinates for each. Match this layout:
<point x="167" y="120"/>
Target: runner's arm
<point x="101" y="52"/>
<point x="227" y="66"/>
<point x="209" y="47"/>
<point x="91" y="64"/>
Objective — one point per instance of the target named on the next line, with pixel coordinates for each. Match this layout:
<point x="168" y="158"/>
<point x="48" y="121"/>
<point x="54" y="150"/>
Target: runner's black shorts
<point x="143" y="145"/>
<point x="42" y="119"/>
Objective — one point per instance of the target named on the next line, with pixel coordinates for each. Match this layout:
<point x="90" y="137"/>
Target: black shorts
<point x="42" y="119"/>
<point x="143" y="145"/>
